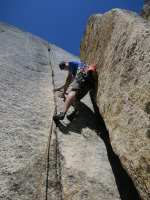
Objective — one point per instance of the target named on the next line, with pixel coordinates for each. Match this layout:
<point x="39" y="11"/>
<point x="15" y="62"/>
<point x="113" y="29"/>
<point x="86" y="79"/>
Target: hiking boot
<point x="73" y="115"/>
<point x="60" y="116"/>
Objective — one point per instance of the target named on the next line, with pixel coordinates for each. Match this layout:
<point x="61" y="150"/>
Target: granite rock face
<point x="146" y="10"/>
<point x="74" y="164"/>
<point x="76" y="160"/>
<point x="26" y="110"/>
<point x="118" y="42"/>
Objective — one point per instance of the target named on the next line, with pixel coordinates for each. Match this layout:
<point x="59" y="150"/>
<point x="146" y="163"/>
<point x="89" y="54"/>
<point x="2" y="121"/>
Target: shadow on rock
<point x="94" y="121"/>
<point x="86" y="119"/>
<point x="124" y="183"/>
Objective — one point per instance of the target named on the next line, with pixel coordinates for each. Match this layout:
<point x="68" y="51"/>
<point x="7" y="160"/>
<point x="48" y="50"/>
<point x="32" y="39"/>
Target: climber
<point x="84" y="80"/>
<point x="71" y="67"/>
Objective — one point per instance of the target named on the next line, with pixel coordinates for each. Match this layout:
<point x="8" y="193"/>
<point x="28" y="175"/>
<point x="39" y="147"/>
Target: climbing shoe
<point x="73" y="115"/>
<point x="60" y="116"/>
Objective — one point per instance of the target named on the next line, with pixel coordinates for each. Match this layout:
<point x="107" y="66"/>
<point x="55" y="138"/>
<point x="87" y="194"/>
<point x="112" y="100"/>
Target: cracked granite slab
<point x="26" y="110"/>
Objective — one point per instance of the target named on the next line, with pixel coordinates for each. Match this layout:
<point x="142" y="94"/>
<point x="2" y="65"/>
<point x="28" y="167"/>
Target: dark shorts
<point x="81" y="86"/>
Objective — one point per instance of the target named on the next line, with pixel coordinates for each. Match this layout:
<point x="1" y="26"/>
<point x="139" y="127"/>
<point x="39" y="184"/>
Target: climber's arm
<point x="69" y="80"/>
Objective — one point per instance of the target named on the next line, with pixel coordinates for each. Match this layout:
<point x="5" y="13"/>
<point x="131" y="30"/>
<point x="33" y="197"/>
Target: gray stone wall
<point x="77" y="160"/>
<point x="26" y="110"/>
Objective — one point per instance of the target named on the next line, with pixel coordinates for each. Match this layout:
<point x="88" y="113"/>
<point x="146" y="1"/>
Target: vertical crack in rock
<point x="49" y="185"/>
<point x="49" y="167"/>
<point x="53" y="187"/>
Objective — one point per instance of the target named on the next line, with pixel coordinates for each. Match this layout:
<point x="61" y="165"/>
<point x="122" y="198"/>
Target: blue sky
<point x="60" y="22"/>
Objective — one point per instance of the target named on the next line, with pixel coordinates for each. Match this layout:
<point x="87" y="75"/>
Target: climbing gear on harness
<point x="86" y="76"/>
<point x="92" y="69"/>
<point x="82" y="71"/>
<point x="85" y="70"/>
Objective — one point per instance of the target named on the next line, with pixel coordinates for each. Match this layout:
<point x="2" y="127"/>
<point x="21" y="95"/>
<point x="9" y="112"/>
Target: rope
<point x="49" y="137"/>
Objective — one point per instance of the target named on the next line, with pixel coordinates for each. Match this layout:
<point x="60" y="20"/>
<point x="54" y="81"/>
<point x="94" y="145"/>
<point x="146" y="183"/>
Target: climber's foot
<point x="60" y="116"/>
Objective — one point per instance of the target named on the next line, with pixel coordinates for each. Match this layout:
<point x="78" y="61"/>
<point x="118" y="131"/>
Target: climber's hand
<point x="62" y="95"/>
<point x="57" y="89"/>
